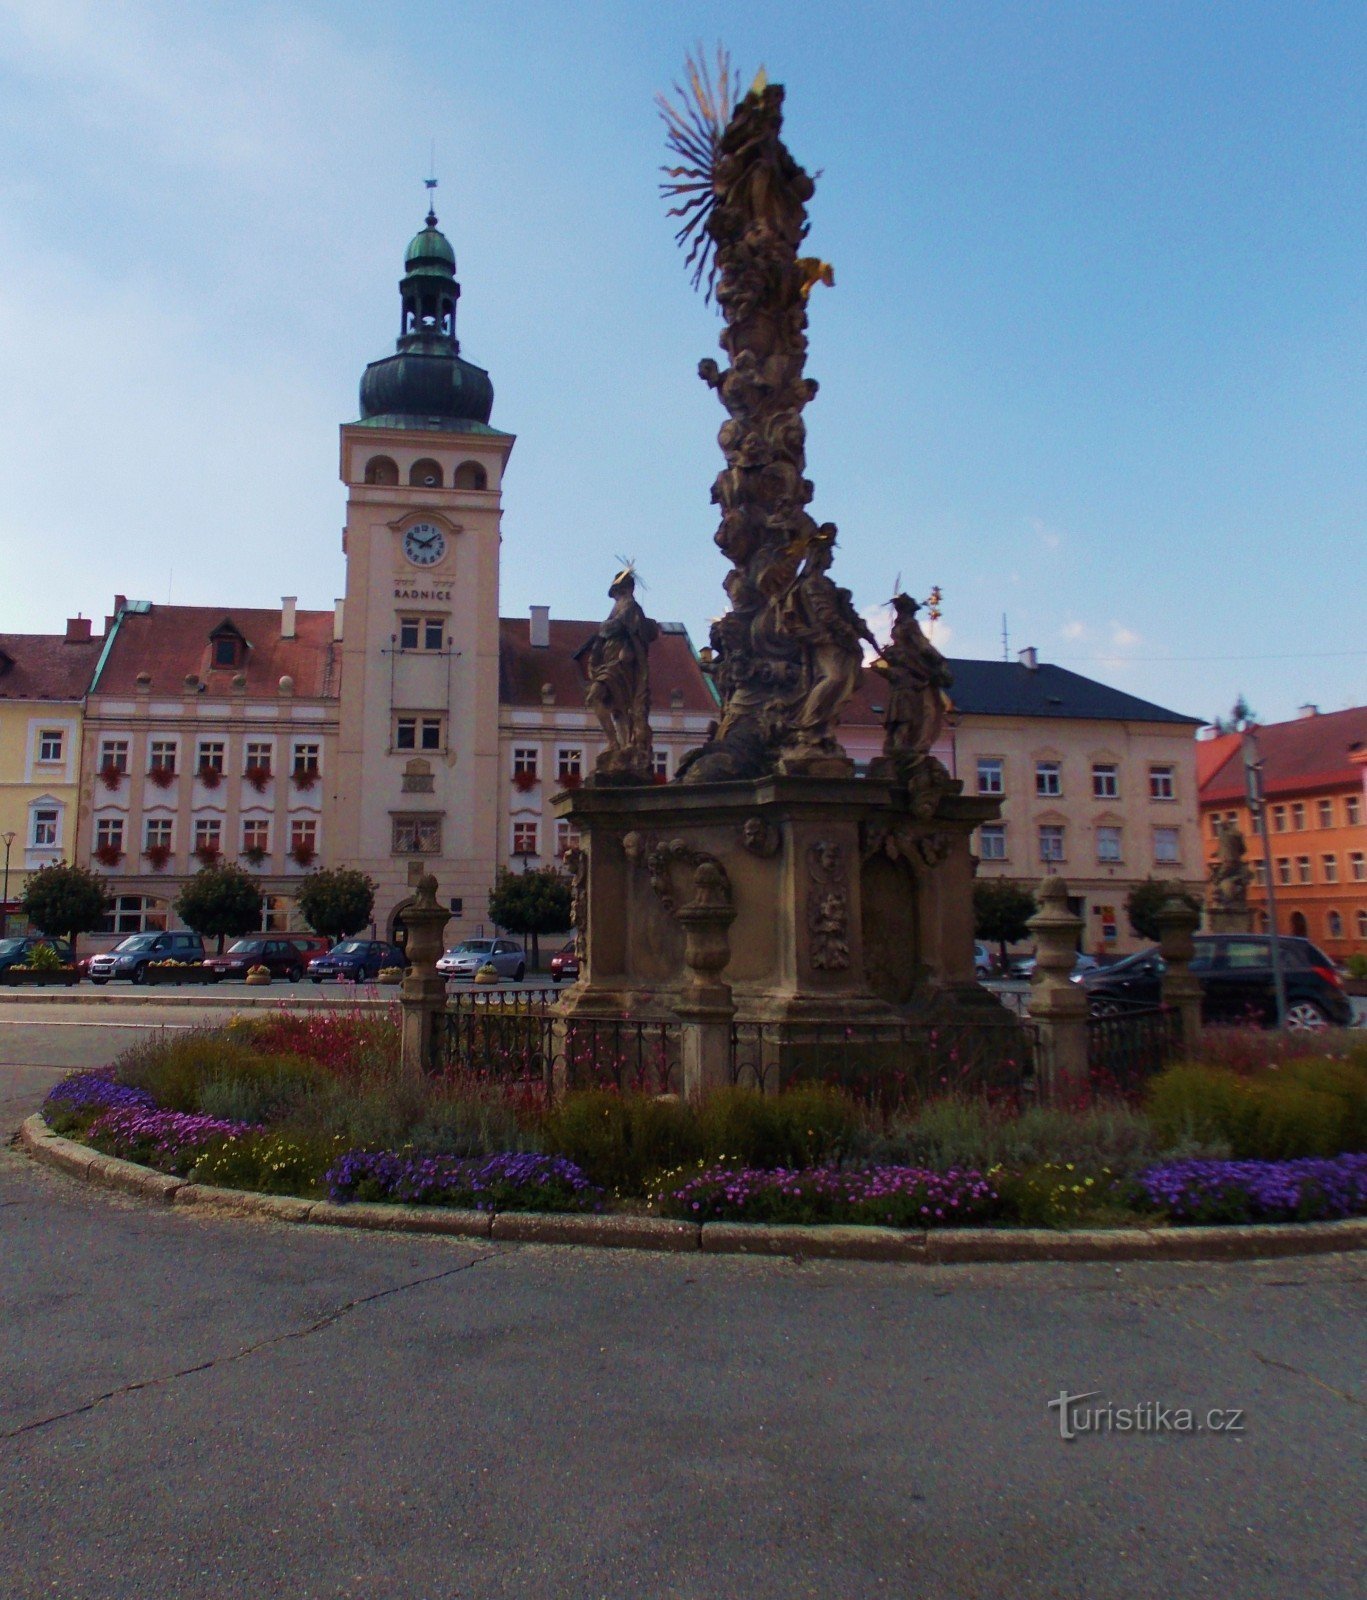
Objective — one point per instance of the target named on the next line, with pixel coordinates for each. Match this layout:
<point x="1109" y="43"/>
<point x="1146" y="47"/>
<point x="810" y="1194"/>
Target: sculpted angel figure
<point x="820" y="616"/>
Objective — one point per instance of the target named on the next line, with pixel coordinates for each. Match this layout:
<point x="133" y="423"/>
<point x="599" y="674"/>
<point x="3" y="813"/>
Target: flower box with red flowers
<point x="157" y="855"/>
<point x="304" y="777"/>
<point x="571" y="780"/>
<point x="303" y="854"/>
<point x="210" y="777"/>
<point x="258" y="775"/>
<point x="208" y="855"/>
<point x="111" y="776"/>
<point x="524" y="781"/>
<point x="162" y="776"/>
<point x="108" y="855"/>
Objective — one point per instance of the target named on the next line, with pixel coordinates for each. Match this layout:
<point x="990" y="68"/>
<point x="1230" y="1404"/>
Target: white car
<point x="465" y="959"/>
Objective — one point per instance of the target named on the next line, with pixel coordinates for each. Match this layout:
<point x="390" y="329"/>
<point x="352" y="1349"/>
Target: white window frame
<point x="992" y="841"/>
<point x="991" y="774"/>
<point x="1049" y="780"/>
<point x="1163" y="782"/>
<point x="1167" y="847"/>
<point x="1108" y="833"/>
<point x="1105" y="780"/>
<point x="1052" y="834"/>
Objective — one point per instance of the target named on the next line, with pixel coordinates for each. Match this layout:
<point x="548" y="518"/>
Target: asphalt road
<point x="220" y="1409"/>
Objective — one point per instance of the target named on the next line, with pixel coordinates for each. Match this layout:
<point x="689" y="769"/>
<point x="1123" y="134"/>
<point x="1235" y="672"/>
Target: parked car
<point x="15" y="952"/>
<point x="131" y="957"/>
<point x="1024" y="966"/>
<point x="1235" y="974"/>
<point x="984" y="962"/>
<point x="356" y="960"/>
<point x="309" y="944"/>
<point x="280" y="956"/>
<point x="565" y="964"/>
<point x="464" y="960"/>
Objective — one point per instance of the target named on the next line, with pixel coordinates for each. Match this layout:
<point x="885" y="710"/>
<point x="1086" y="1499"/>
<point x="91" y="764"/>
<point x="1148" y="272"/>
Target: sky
<point x="1093" y="362"/>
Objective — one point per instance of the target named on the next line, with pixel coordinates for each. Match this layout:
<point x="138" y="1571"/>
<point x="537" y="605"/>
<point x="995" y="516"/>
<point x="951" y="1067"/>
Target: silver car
<point x="465" y="959"/>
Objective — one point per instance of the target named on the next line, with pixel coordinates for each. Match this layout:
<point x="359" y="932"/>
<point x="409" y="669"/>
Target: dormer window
<point x="227" y="647"/>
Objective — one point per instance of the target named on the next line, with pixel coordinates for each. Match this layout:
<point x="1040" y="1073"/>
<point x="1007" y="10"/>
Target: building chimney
<point x="1307" y="711"/>
<point x="1029" y="658"/>
<point x="120" y="603"/>
<point x="77" y="628"/>
<point x="287" y="605"/>
<point x="541" y="628"/>
<point x="338" y="612"/>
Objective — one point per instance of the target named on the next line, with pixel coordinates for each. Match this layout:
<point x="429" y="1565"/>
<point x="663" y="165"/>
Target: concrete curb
<point x="204" y="995"/>
<point x="937" y="1246"/>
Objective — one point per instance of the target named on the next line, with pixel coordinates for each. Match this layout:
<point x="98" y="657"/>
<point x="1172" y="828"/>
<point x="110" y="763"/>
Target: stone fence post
<point x="423" y="995"/>
<point x="1177" y="921"/>
<point x="705" y="1009"/>
<point x="1057" y="1004"/>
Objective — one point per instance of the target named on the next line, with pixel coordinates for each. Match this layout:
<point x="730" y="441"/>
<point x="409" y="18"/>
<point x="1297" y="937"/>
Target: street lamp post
<point x="8" y="837"/>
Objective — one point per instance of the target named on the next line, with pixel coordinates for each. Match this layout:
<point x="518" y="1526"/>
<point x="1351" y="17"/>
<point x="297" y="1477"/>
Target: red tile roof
<point x="523" y="668"/>
<point x="1310" y="753"/>
<point x="1211" y="755"/>
<point x="171" y="642"/>
<point x="46" y="666"/>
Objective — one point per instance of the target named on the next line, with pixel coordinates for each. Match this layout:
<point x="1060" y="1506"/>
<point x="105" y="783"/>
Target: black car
<point x="356" y="961"/>
<point x="1235" y="974"/>
<point x="15" y="952"/>
<point x="281" y="958"/>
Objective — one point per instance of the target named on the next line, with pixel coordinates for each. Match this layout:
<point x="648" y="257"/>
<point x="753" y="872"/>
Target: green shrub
<point x="1357" y="966"/>
<point x="620" y="1141"/>
<point x="274" y="1162"/>
<point x="259" y="1088"/>
<point x="801" y="1127"/>
<point x="1052" y="1194"/>
<point x="957" y="1132"/>
<point x="1307" y="1107"/>
<point x="174" y="1068"/>
<point x="43" y="958"/>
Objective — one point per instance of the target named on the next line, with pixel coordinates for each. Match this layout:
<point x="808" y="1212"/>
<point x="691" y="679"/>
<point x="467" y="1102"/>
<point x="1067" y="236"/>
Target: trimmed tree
<point x="221" y="902"/>
<point x="65" y="902"/>
<point x="1147" y="899"/>
<point x="337" y="901"/>
<point x="1001" y="910"/>
<point x="530" y="904"/>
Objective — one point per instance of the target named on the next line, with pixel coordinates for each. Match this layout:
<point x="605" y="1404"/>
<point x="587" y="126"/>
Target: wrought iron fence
<point x="513" y="1036"/>
<point x="1127" y="1046"/>
<point x="888" y="1062"/>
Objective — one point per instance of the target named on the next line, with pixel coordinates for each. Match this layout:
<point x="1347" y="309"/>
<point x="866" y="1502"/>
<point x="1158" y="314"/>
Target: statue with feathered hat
<point x="617" y="662"/>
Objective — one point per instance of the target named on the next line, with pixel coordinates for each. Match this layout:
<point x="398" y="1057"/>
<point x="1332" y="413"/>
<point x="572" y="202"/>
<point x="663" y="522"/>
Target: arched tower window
<point x="380" y="469"/>
<point x="425" y="474"/>
<point x="470" y="475"/>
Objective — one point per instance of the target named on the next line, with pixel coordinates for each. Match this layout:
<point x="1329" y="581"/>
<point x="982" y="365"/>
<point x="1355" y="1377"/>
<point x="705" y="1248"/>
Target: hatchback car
<point x="565" y="964"/>
<point x="280" y="957"/>
<point x="356" y="961"/>
<point x="15" y="952"/>
<point x="465" y="959"/>
<point x="131" y="957"/>
<point x="310" y="944"/>
<point x="1235" y="974"/>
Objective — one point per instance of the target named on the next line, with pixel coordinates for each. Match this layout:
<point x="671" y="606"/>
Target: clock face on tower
<point x="424" y="544"/>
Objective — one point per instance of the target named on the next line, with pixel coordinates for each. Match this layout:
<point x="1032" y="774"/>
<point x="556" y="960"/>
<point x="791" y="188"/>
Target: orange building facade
<point x="1314" y="771"/>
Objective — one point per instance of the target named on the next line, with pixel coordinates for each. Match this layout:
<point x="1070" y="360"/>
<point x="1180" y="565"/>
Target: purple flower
<point x="1308" y="1190"/>
<point x="513" y="1181"/>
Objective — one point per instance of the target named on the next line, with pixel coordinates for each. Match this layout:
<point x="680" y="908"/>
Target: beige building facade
<point x="1095" y="785"/>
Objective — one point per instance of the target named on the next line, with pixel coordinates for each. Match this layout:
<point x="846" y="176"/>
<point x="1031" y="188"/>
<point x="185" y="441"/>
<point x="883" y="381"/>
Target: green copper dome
<point x="425" y="383"/>
<point x="430" y="249"/>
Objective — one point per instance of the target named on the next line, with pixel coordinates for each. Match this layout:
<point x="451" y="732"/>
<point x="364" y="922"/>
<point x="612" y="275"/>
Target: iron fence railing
<point x="515" y="1036"/>
<point x="1128" y="1045"/>
<point x="888" y="1062"/>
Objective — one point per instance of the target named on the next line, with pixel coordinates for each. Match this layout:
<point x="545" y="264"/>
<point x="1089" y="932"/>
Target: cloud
<point x="1123" y="638"/>
<point x="1074" y="630"/>
<point x="879" y="620"/>
<point x="939" y="633"/>
<point x="1049" y="537"/>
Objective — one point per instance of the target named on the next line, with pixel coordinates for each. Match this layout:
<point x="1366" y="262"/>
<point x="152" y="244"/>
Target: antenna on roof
<point x="1006" y="643"/>
<point x="430" y="184"/>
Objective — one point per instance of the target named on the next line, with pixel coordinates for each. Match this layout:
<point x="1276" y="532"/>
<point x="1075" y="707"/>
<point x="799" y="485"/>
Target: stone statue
<point x="787" y="655"/>
<point x="917" y="677"/>
<point x="822" y="618"/>
<point x="618" y="668"/>
<point x="1229" y="873"/>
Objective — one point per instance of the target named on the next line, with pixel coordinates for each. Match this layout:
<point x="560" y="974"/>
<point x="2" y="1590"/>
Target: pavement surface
<point x="201" y="1407"/>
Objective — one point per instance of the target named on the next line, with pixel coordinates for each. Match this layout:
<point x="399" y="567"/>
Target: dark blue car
<point x="356" y="961"/>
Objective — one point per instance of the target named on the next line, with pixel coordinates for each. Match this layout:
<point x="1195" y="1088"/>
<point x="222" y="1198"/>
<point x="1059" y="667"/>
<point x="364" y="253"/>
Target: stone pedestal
<point x="422" y="996"/>
<point x="1177" y="922"/>
<point x="1229" y="919"/>
<point x="823" y="900"/>
<point x="1057" y="1004"/>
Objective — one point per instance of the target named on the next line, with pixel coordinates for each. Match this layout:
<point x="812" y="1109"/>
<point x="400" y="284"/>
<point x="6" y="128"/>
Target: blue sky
<point x="1094" y="358"/>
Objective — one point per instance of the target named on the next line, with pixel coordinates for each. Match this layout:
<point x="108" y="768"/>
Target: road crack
<point x="307" y="1332"/>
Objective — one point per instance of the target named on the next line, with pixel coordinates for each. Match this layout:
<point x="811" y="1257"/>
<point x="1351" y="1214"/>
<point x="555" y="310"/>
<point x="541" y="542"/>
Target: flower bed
<point x="318" y="1105"/>
<point x="179" y="972"/>
<point x="38" y="976"/>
